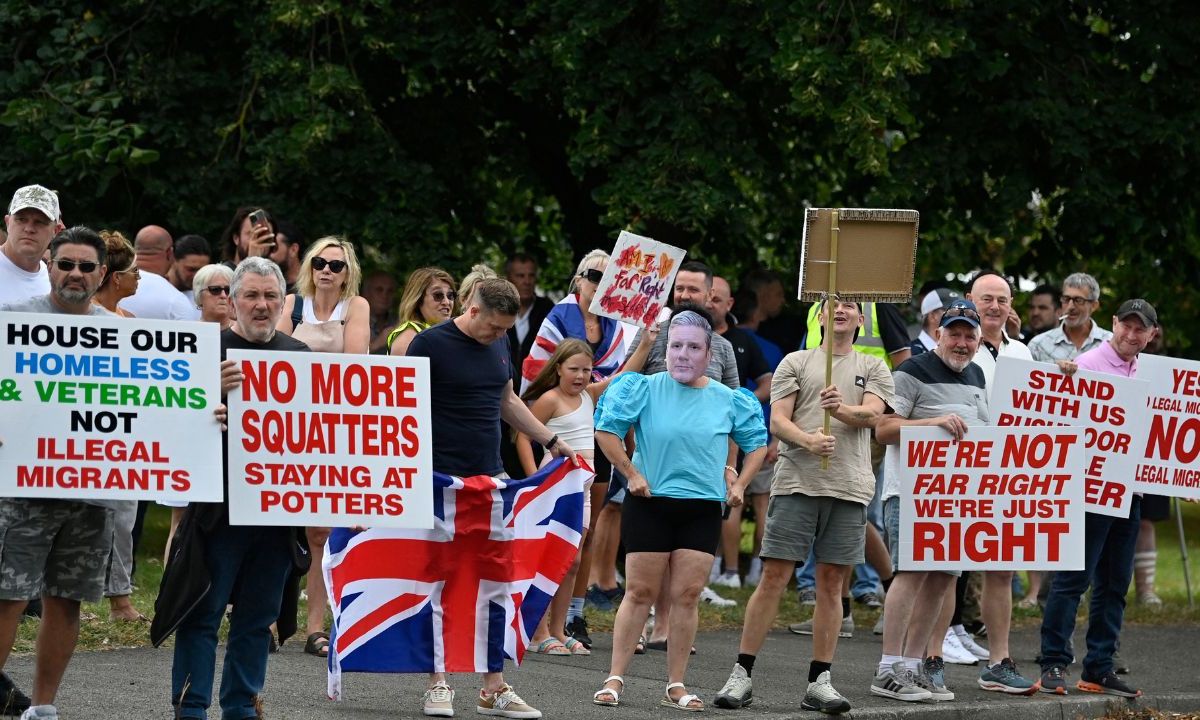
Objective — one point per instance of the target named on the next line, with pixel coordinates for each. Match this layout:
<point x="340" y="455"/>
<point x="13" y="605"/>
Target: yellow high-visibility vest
<point x="869" y="340"/>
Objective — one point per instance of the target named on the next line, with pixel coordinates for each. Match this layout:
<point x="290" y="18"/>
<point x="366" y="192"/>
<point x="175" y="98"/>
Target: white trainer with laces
<point x="728" y="579"/>
<point x="968" y="642"/>
<point x="954" y="653"/>
<point x="738" y="690"/>
<point x="823" y="697"/>
<point x="40" y="712"/>
<point x="710" y="596"/>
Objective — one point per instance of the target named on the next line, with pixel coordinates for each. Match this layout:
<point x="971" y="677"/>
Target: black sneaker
<point x="12" y="700"/>
<point x="577" y="629"/>
<point x="1107" y="684"/>
<point x="1054" y="680"/>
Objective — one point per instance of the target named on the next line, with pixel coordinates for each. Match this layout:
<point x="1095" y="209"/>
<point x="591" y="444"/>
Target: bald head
<point x="155" y="250"/>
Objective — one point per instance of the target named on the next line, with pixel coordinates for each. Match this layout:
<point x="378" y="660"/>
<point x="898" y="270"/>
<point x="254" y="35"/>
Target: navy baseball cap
<point x="961" y="311"/>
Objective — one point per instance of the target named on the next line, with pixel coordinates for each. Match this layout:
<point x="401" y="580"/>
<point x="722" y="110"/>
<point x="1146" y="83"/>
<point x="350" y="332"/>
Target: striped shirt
<point x="1054" y="345"/>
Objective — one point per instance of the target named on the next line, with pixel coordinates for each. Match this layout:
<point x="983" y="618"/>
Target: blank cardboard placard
<point x="876" y="252"/>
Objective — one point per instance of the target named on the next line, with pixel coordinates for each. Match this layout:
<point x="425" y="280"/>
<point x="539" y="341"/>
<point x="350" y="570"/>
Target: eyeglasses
<point x="439" y="296"/>
<point x="592" y="275"/>
<point x="85" y="266"/>
<point x="961" y="312"/>
<point x="335" y="266"/>
<point x="1075" y="300"/>
<point x="217" y="289"/>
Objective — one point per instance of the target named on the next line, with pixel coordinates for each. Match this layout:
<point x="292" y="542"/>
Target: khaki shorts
<point x="835" y="530"/>
<point x="58" y="548"/>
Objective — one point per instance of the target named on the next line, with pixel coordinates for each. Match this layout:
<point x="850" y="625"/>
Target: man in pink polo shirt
<point x="1108" y="544"/>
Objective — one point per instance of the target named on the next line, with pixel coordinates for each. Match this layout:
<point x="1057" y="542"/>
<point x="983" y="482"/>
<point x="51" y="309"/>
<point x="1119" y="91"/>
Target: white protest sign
<point x="1168" y="459"/>
<point x="327" y="439"/>
<point x="1031" y="393"/>
<point x="999" y="499"/>
<point x="637" y="282"/>
<point x="108" y="408"/>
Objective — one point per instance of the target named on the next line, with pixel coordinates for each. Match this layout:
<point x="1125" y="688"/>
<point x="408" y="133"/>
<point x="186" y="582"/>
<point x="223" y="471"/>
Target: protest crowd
<point x="701" y="408"/>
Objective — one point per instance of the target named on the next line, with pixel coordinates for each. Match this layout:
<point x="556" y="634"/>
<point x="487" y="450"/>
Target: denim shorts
<point x="834" y="530"/>
<point x="891" y="526"/>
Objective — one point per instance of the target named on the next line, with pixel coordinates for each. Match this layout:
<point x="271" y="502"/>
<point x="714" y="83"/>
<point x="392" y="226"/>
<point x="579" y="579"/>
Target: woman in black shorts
<point x="672" y="517"/>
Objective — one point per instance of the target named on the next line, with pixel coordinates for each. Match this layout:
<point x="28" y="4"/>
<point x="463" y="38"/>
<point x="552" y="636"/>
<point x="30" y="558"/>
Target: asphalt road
<point x="135" y="683"/>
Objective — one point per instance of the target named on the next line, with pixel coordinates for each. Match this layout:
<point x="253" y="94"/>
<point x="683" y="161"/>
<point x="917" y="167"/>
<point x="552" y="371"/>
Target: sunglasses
<point x="593" y="275"/>
<point x="217" y="289"/>
<point x="961" y="312"/>
<point x="439" y="296"/>
<point x="335" y="266"/>
<point x="132" y="270"/>
<point x="69" y="265"/>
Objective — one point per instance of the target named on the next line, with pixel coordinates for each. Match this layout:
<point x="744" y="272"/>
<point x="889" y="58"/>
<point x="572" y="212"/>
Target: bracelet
<point x="731" y="469"/>
<point x="549" y="444"/>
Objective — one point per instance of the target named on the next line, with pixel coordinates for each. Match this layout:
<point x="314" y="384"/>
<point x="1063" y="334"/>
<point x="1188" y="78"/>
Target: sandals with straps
<point x="550" y="646"/>
<point x="616" y="695"/>
<point x="684" y="702"/>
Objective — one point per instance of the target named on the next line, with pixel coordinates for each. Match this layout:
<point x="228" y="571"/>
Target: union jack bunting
<point x="464" y="596"/>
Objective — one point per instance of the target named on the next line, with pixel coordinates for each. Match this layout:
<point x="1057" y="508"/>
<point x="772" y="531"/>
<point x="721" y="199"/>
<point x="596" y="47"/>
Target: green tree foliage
<point x="1038" y="138"/>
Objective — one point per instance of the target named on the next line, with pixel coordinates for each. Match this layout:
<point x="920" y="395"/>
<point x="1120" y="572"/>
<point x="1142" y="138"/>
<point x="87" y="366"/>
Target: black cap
<point x="1144" y="311"/>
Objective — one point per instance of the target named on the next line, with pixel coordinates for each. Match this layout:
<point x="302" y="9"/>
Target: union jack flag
<point x="464" y="596"/>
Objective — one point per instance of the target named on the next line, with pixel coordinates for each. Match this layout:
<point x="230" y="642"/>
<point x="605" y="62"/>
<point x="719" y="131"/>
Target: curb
<point x="1044" y="707"/>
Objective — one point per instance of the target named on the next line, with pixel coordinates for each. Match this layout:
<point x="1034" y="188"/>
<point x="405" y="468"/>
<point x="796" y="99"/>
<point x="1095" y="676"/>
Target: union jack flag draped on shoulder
<point x="565" y="320"/>
<point x="464" y="596"/>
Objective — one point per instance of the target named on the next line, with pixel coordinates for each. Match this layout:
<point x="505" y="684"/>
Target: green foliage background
<point x="1038" y="138"/>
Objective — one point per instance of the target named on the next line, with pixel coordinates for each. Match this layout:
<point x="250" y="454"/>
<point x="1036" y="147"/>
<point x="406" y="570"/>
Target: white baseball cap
<point x="37" y="197"/>
<point x="939" y="299"/>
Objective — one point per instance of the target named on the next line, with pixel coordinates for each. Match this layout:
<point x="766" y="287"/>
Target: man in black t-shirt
<point x="754" y="372"/>
<point x="247" y="566"/>
<point x="471" y="385"/>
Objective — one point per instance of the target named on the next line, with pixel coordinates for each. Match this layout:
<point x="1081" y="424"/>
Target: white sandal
<point x="684" y="702"/>
<point x="615" y="694"/>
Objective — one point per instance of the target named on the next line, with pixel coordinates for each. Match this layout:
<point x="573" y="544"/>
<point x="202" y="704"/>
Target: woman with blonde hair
<point x="122" y="278"/>
<point x="478" y="272"/>
<point x="428" y="299"/>
<point x="327" y="314"/>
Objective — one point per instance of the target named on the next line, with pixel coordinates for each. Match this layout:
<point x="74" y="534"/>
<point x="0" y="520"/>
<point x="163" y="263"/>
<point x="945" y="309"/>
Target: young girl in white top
<point x="564" y="397"/>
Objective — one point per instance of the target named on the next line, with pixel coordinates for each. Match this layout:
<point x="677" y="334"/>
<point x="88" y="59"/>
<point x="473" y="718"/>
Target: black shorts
<point x="662" y="524"/>
<point x="1156" y="508"/>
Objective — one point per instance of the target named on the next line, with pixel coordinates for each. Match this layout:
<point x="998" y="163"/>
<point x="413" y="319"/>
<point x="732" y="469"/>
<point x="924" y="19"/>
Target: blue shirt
<point x="681" y="431"/>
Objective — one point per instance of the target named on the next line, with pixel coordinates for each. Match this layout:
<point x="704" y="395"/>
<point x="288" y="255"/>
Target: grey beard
<point x="71" y="296"/>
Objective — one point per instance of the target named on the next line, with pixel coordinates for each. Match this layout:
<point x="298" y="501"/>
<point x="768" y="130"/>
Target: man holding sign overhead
<point x="1108" y="545"/>
<point x="813" y="507"/>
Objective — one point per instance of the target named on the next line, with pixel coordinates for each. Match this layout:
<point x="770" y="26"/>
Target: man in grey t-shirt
<point x="55" y="549"/>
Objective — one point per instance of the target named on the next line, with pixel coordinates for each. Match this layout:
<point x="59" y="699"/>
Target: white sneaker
<point x="439" y="701"/>
<point x="822" y="696"/>
<point x="729" y="579"/>
<point x="968" y="642"/>
<point x="710" y="596"/>
<point x="40" y="712"/>
<point x="715" y="572"/>
<point x="954" y="653"/>
<point x="738" y="690"/>
<point x="755" y="573"/>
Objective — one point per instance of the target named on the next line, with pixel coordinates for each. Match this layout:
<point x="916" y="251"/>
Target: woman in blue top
<point x="672" y="517"/>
